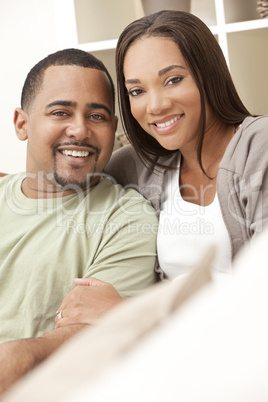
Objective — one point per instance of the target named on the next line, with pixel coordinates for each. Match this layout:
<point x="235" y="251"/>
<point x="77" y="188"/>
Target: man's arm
<point x="19" y="357"/>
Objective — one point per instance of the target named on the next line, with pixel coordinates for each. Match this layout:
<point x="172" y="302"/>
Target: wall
<point x="27" y="34"/>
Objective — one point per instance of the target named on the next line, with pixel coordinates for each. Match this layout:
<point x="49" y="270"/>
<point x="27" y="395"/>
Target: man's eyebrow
<point x="161" y="72"/>
<point x="96" y="105"/>
<point x="61" y="103"/>
<point x="92" y="105"/>
<point x="170" y="68"/>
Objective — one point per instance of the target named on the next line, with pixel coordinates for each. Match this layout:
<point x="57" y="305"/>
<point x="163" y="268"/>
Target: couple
<point x="197" y="155"/>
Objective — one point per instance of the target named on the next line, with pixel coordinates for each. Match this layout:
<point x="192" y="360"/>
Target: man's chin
<point x="74" y="184"/>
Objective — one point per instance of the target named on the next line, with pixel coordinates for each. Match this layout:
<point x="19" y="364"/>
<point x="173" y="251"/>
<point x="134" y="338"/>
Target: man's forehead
<point x="73" y="69"/>
<point x="88" y="81"/>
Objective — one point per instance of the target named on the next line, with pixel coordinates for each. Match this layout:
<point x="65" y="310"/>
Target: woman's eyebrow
<point x="170" y="68"/>
<point x="132" y="81"/>
<point x="160" y="72"/>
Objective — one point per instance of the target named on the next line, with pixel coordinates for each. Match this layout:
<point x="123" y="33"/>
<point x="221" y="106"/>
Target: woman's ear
<point x="20" y="123"/>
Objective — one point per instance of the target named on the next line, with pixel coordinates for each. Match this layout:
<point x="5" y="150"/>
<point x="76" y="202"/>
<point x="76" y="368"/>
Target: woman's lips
<point x="167" y="124"/>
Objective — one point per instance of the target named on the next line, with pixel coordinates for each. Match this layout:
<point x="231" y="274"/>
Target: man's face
<point x="70" y="128"/>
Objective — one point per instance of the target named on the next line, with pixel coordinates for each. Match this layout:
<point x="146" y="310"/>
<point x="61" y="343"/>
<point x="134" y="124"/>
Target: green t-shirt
<point x="106" y="232"/>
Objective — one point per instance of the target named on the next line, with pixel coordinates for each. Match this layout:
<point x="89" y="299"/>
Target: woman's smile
<point x="167" y="124"/>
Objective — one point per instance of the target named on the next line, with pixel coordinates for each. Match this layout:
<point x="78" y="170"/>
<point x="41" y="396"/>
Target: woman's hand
<point x="88" y="301"/>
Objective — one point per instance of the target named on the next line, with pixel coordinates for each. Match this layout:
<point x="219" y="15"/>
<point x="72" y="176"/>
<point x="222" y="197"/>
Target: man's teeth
<point x="81" y="154"/>
<point x="167" y="123"/>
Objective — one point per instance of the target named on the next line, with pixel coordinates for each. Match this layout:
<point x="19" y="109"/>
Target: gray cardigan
<point x="242" y="181"/>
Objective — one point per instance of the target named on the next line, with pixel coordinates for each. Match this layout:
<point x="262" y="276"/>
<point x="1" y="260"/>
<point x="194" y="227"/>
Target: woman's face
<point x="163" y="95"/>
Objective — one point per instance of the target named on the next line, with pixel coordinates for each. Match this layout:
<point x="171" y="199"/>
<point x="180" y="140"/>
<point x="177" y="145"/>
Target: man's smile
<point x="77" y="150"/>
<point x="77" y="154"/>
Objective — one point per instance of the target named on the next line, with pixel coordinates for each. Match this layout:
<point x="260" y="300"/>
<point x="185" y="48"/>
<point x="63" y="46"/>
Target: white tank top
<point x="186" y="230"/>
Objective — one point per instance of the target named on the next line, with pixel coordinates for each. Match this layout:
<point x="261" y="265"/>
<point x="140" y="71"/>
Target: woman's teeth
<point x="167" y="123"/>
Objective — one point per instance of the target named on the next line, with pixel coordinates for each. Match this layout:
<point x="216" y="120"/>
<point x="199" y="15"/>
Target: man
<point x="61" y="219"/>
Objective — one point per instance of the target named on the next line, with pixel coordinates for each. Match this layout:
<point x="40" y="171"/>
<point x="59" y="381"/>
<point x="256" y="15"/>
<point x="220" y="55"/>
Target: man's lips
<point x="77" y="151"/>
<point x="77" y="154"/>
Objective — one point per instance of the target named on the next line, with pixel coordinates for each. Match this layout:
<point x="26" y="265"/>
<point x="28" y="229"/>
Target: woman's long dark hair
<point x="204" y="56"/>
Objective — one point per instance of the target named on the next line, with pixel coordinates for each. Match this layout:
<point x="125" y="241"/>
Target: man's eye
<point x="96" y="116"/>
<point x="59" y="113"/>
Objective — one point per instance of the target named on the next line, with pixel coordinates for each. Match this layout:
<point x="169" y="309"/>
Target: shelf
<point x="247" y="25"/>
<point x="240" y="11"/>
<point x="99" y="21"/>
<point x="98" y="46"/>
<point x="249" y="69"/>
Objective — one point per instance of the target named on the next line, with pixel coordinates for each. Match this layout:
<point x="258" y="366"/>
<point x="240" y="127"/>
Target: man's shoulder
<point x="108" y="187"/>
<point x="12" y="177"/>
<point x="114" y="199"/>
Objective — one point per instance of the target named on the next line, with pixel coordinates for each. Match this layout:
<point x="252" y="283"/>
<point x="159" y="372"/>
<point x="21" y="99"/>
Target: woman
<point x="196" y="153"/>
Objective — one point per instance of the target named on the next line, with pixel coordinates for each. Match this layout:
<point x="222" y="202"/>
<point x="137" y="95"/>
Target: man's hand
<point x="19" y="357"/>
<point x="87" y="302"/>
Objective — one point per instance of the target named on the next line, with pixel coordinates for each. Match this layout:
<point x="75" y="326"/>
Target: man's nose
<point x="78" y="129"/>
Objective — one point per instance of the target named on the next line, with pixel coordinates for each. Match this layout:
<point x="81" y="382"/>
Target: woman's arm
<point x="87" y="302"/>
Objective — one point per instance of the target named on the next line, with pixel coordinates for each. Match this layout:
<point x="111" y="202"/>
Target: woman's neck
<point x="195" y="186"/>
<point x="216" y="139"/>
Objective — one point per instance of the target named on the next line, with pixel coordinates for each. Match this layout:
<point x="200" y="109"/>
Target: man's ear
<point x="20" y="123"/>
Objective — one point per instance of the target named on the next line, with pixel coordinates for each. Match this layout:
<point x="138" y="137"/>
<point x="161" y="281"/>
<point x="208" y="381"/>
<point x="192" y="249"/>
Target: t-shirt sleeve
<point x="126" y="254"/>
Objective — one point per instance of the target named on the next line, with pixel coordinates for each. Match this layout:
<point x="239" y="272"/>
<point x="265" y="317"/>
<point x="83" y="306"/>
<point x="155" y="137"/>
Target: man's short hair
<point x="66" y="57"/>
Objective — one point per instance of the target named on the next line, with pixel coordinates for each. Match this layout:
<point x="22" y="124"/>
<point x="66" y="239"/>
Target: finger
<point x="74" y="319"/>
<point x="89" y="282"/>
<point x="62" y="323"/>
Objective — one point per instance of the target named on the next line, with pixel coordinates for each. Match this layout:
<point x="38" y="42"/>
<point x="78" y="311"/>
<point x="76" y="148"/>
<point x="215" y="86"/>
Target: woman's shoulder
<point x="125" y="156"/>
<point x="248" y="147"/>
<point x="124" y="166"/>
<point x="123" y="153"/>
<point x="252" y="125"/>
<point x="252" y="134"/>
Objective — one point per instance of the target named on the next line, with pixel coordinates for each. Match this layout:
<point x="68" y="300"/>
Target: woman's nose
<point x="157" y="103"/>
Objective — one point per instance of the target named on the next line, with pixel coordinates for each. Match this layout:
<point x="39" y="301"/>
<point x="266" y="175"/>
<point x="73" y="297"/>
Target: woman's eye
<point x="174" y="80"/>
<point x="134" y="92"/>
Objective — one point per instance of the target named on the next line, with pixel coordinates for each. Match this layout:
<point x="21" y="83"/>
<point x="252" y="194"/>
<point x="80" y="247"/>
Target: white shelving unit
<point x="94" y="26"/>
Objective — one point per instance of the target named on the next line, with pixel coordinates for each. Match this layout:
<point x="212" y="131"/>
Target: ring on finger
<point x="59" y="315"/>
